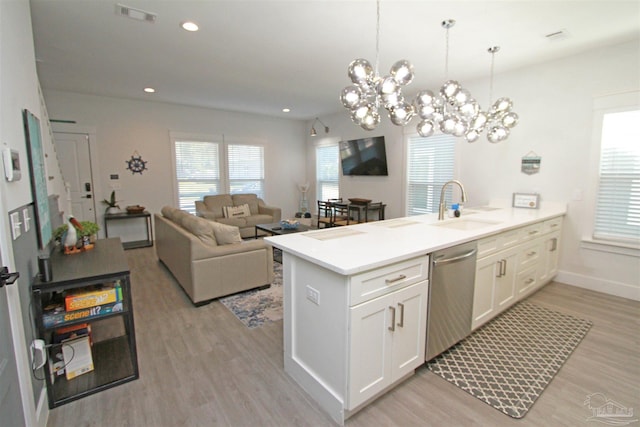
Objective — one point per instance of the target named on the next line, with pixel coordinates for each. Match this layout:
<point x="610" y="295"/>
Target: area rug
<point x="256" y="307"/>
<point x="508" y="362"/>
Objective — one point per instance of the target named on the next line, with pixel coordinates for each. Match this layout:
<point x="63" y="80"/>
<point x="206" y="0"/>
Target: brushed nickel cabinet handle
<point x="499" y="268"/>
<point x="532" y="253"/>
<point x="400" y="277"/>
<point x="393" y="318"/>
<point x="401" y="322"/>
<point x="554" y="244"/>
<point x="530" y="281"/>
<point x="503" y="271"/>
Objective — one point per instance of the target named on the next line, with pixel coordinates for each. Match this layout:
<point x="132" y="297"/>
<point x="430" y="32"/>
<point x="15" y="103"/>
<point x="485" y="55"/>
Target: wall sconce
<point x="313" y="129"/>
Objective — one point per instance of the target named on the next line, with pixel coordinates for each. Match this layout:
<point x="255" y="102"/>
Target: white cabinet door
<point x="549" y="262"/>
<point x="483" y="295"/>
<point x="409" y="335"/>
<point x="387" y="341"/>
<point x="370" y="349"/>
<point x="505" y="284"/>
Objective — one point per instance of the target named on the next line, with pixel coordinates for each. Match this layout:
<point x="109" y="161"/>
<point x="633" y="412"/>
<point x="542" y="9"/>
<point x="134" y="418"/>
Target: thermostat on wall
<point x="11" y="160"/>
<point x="526" y="200"/>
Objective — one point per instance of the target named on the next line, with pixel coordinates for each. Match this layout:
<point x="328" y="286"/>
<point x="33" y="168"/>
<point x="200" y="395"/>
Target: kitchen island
<point x="355" y="298"/>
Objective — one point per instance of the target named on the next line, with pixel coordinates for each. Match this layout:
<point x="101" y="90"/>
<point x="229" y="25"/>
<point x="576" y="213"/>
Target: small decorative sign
<point x="531" y="163"/>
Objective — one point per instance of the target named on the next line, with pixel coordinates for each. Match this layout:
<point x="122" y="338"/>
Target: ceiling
<point x="261" y="56"/>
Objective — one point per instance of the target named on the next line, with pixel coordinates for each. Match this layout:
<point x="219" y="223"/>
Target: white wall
<point x="124" y="126"/>
<point x="555" y="104"/>
<point x="18" y="91"/>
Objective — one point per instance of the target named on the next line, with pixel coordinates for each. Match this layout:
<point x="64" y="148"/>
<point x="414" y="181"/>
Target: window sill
<point x="611" y="247"/>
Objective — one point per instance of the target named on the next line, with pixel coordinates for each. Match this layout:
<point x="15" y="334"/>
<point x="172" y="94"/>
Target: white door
<point x="10" y="401"/>
<point x="75" y="162"/>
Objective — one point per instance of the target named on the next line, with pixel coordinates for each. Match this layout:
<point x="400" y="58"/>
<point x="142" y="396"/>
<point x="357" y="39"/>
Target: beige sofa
<point x="213" y="208"/>
<point x="210" y="260"/>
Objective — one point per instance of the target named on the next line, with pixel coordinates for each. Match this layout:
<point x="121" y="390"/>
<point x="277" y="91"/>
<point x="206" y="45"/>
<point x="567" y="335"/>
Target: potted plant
<point x="88" y="234"/>
<point x="112" y="204"/>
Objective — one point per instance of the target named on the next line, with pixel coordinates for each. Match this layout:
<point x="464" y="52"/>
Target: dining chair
<point x="374" y="212"/>
<point x="341" y="214"/>
<point x="325" y="214"/>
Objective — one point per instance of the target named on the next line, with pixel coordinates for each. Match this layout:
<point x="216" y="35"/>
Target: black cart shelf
<point x="114" y="351"/>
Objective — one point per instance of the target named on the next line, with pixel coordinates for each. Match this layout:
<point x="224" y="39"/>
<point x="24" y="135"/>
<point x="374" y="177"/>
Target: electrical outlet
<point x="313" y="295"/>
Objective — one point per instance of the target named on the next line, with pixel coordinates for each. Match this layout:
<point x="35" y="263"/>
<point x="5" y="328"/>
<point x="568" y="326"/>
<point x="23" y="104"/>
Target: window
<point x="327" y="172"/>
<point x="197" y="171"/>
<point x="430" y="164"/>
<point x="617" y="216"/>
<point x="202" y="168"/>
<point x="246" y="169"/>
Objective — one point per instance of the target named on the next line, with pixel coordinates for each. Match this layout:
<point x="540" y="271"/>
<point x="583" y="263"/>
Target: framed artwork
<point x="38" y="175"/>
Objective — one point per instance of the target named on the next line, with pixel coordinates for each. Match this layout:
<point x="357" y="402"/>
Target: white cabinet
<point x="549" y="260"/>
<point x="494" y="286"/>
<point x="512" y="265"/>
<point x="349" y="338"/>
<point x="387" y="341"/>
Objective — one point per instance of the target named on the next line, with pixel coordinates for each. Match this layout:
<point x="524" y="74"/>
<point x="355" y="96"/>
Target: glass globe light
<point x="350" y="96"/>
<point x="426" y="128"/>
<point x="360" y="71"/>
<point x="402" y="72"/>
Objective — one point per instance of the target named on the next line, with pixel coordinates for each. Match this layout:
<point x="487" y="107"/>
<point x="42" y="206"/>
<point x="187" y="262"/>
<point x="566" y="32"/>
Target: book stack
<point x="84" y="303"/>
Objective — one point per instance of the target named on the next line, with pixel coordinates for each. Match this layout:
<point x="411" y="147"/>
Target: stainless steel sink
<point x="466" y="223"/>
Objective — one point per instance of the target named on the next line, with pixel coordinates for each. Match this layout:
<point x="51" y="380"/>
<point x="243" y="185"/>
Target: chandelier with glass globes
<point x="452" y="110"/>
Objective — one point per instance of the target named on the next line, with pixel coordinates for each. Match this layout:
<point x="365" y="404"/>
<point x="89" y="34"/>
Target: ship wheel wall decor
<point x="136" y="164"/>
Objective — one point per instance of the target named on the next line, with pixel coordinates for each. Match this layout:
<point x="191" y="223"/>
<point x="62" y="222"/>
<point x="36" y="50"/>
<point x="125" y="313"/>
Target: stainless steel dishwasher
<point x="452" y="272"/>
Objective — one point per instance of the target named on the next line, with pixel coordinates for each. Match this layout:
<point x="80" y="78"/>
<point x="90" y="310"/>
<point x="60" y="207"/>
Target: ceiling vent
<point x="557" y="35"/>
<point x="133" y="13"/>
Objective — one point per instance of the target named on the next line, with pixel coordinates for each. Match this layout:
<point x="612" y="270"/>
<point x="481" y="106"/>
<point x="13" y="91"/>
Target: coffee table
<point x="275" y="229"/>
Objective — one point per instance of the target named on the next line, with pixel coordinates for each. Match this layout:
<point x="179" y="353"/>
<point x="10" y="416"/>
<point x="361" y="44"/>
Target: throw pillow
<point x="236" y="211"/>
<point x="226" y="234"/>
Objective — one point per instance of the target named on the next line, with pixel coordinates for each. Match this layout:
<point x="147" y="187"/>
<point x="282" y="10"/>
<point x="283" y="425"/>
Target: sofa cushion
<point x="259" y="219"/>
<point x="240" y="211"/>
<point x="249" y="199"/>
<point x="168" y="212"/>
<point x="226" y="234"/>
<point x="201" y="228"/>
<point x="217" y="202"/>
<point x="236" y="222"/>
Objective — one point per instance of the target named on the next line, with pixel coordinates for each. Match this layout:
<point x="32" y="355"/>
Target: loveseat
<point x="242" y="210"/>
<point x="209" y="259"/>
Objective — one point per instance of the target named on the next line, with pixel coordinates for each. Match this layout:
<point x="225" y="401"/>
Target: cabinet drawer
<point x="374" y="283"/>
<point x="526" y="281"/>
<point x="497" y="242"/>
<point x="552" y="225"/>
<point x="530" y="232"/>
<point x="529" y="255"/>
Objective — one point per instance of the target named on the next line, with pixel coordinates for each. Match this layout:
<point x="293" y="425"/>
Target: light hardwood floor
<point x="202" y="367"/>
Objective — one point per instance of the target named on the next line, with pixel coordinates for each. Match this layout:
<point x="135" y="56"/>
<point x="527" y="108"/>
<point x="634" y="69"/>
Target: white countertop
<point x="361" y="247"/>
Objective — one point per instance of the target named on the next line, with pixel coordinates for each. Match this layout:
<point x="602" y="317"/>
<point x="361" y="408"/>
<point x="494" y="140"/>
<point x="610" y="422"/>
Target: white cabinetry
<point x="347" y="339"/>
<point x="513" y="264"/>
<point x="387" y="341"/>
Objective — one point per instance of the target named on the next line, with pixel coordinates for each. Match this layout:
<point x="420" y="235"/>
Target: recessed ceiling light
<point x="286" y="110"/>
<point x="149" y="90"/>
<point x="189" y="26"/>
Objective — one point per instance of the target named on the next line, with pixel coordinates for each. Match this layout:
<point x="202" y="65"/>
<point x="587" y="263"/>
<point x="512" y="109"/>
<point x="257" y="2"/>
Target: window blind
<point x="197" y="171"/>
<point x="617" y="215"/>
<point x="327" y="172"/>
<point x="246" y="169"/>
<point x="430" y="164"/>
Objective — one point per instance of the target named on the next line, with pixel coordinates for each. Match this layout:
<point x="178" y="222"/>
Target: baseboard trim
<point x="609" y="287"/>
<point x="42" y="409"/>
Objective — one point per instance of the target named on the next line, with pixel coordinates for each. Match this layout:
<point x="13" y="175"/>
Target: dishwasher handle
<point x="442" y="261"/>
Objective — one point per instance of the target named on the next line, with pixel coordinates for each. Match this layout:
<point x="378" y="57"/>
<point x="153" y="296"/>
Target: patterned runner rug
<point x="254" y="308"/>
<point x="508" y="362"/>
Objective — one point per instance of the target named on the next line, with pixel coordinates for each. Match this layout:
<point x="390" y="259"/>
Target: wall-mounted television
<point x="364" y="156"/>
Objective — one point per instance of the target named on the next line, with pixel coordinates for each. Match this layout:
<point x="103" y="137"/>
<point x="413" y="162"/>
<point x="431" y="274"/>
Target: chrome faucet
<point x="464" y="196"/>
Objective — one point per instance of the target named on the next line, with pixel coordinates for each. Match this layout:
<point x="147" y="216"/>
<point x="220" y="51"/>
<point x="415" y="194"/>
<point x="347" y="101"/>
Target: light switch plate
<point x="526" y="200"/>
<point x="16" y="224"/>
